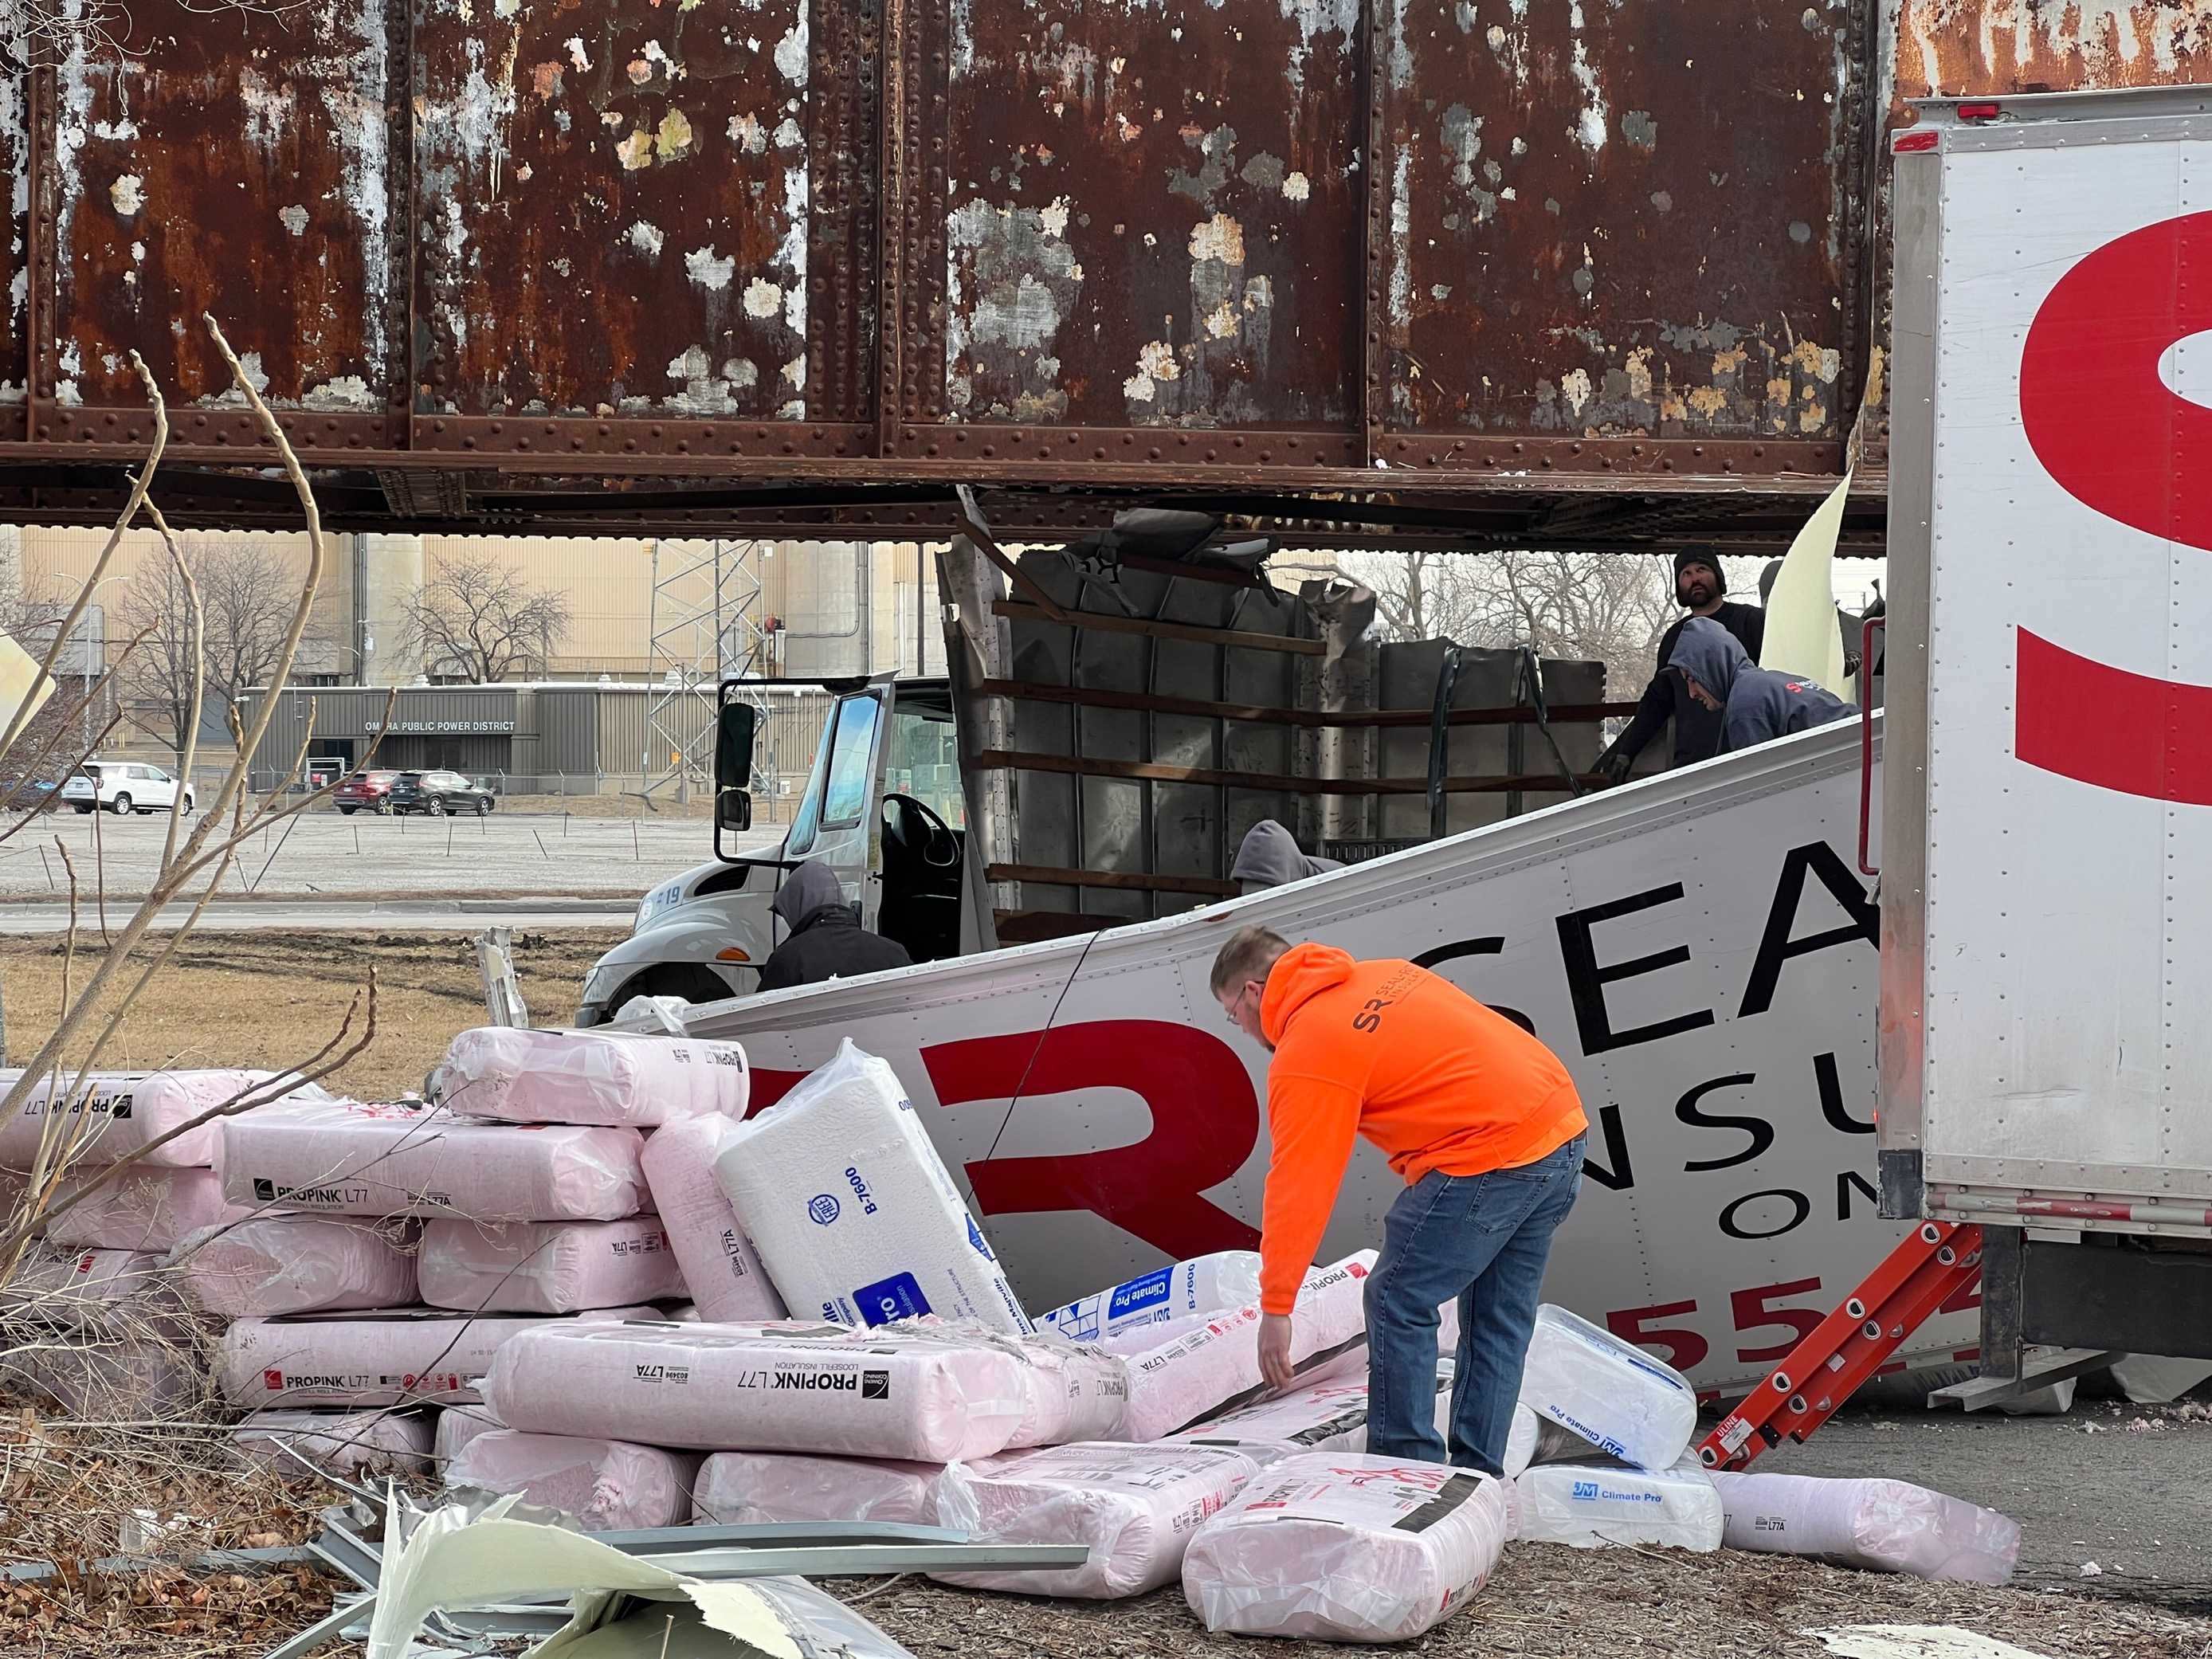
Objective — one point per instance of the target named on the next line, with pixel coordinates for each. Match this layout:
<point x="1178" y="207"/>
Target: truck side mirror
<point x="733" y="809"/>
<point x="733" y="764"/>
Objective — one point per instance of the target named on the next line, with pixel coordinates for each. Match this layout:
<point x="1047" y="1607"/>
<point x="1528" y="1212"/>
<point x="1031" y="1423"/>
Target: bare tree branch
<point x="479" y="617"/>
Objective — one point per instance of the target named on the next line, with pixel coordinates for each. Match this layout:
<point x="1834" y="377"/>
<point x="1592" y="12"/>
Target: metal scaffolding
<point x="704" y="626"/>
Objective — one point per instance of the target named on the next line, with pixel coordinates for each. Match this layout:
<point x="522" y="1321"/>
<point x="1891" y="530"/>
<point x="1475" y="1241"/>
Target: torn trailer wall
<point x="1497" y="245"/>
<point x="1116" y="759"/>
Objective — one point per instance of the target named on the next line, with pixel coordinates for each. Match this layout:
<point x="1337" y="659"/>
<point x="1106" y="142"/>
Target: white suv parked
<point x="124" y="786"/>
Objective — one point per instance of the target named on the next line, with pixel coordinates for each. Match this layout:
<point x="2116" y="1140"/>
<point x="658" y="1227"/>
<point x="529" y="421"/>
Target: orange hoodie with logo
<point x="1390" y="1051"/>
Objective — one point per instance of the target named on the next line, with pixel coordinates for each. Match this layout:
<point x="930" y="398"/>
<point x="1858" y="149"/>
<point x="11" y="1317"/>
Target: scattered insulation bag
<point x="1075" y="1391"/>
<point x="746" y="1488"/>
<point x="1884" y="1526"/>
<point x="775" y="1387"/>
<point x="1204" y="1285"/>
<point x="1137" y="1508"/>
<point x="1348" y="1548"/>
<point x="547" y="1267"/>
<point x="110" y="1116"/>
<point x="346" y="1159"/>
<point x="720" y="1263"/>
<point x="1531" y="1440"/>
<point x="456" y="1426"/>
<point x="1326" y="1417"/>
<point x="852" y="1209"/>
<point x="1594" y="1501"/>
<point x="344" y="1442"/>
<point x="149" y="1209"/>
<point x="98" y="1380"/>
<point x="1615" y="1395"/>
<point x="1216" y="1367"/>
<point x="284" y="1264"/>
<point x="607" y="1077"/>
<point x="401" y="1355"/>
<point x="608" y="1485"/>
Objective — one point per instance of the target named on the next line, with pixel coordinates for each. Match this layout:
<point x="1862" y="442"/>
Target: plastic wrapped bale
<point x="1884" y="1526"/>
<point x="1216" y="1367"/>
<point x="1531" y="1440"/>
<point x="344" y="1442"/>
<point x="608" y="1485"/>
<point x="1137" y="1507"/>
<point x="1204" y="1285"/>
<point x="1327" y="1417"/>
<point x="285" y="1264"/>
<point x="1616" y="1396"/>
<point x="547" y="1267"/>
<point x="115" y="1116"/>
<point x="1348" y="1548"/>
<point x="721" y="1266"/>
<point x="459" y="1424"/>
<point x="601" y="1077"/>
<point x="1595" y="1502"/>
<point x="778" y="1386"/>
<point x="350" y="1159"/>
<point x="743" y="1488"/>
<point x="398" y="1357"/>
<point x="150" y="1209"/>
<point x="1076" y="1391"/>
<point x="853" y="1210"/>
<point x="124" y="1291"/>
<point x="97" y="1381"/>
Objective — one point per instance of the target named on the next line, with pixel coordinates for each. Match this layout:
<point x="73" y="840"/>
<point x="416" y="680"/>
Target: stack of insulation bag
<point x="96" y="1322"/>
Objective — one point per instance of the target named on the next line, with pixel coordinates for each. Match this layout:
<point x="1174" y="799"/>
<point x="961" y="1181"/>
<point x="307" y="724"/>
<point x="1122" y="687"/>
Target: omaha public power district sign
<point x="455" y="728"/>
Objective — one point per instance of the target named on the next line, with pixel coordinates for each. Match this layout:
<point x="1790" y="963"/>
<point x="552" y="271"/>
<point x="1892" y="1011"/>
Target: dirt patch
<point x="268" y="998"/>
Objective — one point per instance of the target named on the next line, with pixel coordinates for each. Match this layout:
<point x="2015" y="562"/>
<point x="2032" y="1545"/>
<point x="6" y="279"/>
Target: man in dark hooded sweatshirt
<point x="1701" y="589"/>
<point x="822" y="937"/>
<point x="1756" y="705"/>
<point x="1269" y="856"/>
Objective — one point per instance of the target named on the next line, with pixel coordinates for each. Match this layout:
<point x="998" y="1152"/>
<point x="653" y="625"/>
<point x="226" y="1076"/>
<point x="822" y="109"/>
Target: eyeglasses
<point x="1235" y="1008"/>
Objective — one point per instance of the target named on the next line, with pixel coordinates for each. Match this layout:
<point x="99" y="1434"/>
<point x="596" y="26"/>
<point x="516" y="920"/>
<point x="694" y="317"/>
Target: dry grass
<point x="269" y="997"/>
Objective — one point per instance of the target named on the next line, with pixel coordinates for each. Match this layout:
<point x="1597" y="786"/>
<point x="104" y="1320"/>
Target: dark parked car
<point x="372" y="790"/>
<point x="438" y="794"/>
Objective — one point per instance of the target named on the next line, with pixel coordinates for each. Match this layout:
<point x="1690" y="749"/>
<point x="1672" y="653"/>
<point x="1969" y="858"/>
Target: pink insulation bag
<point x="547" y="1267"/>
<point x="282" y="1264"/>
<point x="721" y="1267"/>
<point x="591" y="1077"/>
<point x="610" y="1486"/>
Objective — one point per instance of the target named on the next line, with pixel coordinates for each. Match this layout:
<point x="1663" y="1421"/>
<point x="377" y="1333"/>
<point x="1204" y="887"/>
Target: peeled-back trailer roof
<point x="1596" y="274"/>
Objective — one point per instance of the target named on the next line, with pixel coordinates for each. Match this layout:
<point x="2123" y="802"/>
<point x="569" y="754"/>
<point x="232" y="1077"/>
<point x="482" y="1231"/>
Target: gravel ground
<point x="321" y="852"/>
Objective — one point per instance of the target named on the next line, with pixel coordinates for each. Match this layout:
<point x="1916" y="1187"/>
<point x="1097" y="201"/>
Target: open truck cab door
<point x="882" y="807"/>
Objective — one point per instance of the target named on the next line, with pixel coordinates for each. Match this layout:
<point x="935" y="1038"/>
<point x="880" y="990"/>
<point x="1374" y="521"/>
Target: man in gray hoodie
<point x="822" y="937"/>
<point x="1269" y="856"/>
<point x="1757" y="705"/>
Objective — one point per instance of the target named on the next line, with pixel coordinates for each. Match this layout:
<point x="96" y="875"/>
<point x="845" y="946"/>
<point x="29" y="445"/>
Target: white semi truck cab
<point x="2046" y="1027"/>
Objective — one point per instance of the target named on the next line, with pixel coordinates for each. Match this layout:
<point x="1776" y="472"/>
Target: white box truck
<point x="2046" y="875"/>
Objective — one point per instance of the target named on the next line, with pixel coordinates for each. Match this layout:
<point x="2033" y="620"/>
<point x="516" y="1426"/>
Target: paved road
<point x="323" y="855"/>
<point x="538" y="915"/>
<point x="2085" y="1487"/>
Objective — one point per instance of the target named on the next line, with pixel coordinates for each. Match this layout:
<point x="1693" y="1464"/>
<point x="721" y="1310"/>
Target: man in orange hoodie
<point x="1484" y="1124"/>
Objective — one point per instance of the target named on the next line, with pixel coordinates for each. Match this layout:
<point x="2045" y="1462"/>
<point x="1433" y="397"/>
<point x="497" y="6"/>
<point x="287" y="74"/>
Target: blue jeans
<point x="1483" y="1239"/>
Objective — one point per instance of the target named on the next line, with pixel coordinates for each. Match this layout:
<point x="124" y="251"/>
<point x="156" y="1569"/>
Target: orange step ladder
<point x="1936" y="1261"/>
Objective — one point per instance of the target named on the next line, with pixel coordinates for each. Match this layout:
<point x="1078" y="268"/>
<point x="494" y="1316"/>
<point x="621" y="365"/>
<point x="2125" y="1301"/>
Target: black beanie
<point x="1703" y="555"/>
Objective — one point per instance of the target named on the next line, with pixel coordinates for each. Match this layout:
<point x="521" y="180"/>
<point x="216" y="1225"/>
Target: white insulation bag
<point x="1204" y="1285"/>
<point x="1348" y="1548"/>
<point x="599" y="1077"/>
<point x="785" y="1386"/>
<point x="1886" y="1526"/>
<point x="853" y="1210"/>
<point x="1201" y="1373"/>
<point x="1595" y="1502"/>
<point x="748" y="1488"/>
<point x="1137" y="1507"/>
<point x="547" y="1267"/>
<point x="610" y="1486"/>
<point x="721" y="1266"/>
<point x="1616" y="1396"/>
